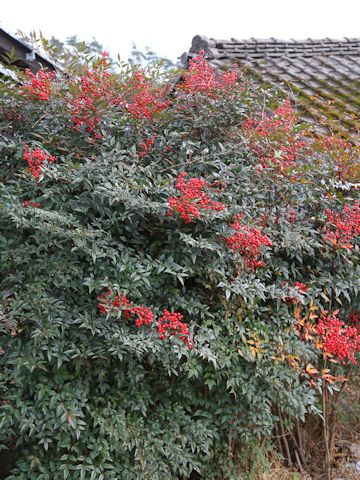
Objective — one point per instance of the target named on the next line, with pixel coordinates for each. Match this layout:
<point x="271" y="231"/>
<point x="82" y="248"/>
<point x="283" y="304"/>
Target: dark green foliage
<point x="88" y="396"/>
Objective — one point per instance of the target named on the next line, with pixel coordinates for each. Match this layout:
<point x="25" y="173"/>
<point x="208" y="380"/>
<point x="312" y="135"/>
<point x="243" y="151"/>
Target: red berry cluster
<point x="108" y="301"/>
<point x="301" y="286"/>
<point x="146" y="146"/>
<point x="247" y="241"/>
<point x="193" y="199"/>
<point x="29" y="203"/>
<point x="144" y="316"/>
<point x="271" y="138"/>
<point x="291" y="216"/>
<point x="36" y="158"/>
<point x="201" y="77"/>
<point x="344" y="226"/>
<point x="141" y="99"/>
<point x="170" y="324"/>
<point x="39" y="86"/>
<point x="96" y="91"/>
<point x="338" y="338"/>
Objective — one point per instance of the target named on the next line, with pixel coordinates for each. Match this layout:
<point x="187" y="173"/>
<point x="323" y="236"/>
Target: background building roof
<point x="322" y="76"/>
<point x="26" y="56"/>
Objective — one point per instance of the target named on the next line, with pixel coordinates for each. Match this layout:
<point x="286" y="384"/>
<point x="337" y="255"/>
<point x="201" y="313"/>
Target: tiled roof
<point x="322" y="76"/>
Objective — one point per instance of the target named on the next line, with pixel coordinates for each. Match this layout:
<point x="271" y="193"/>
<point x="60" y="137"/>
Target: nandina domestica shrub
<point x="158" y="243"/>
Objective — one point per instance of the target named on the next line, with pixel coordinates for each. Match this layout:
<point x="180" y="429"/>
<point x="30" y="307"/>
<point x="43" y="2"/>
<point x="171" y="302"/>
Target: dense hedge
<point x="165" y="251"/>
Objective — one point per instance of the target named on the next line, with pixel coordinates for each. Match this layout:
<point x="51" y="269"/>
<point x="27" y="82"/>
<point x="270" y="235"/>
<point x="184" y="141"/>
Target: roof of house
<point x="26" y="56"/>
<point x="322" y="76"/>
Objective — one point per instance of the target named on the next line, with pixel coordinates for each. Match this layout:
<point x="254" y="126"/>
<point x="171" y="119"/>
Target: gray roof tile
<point x="317" y="71"/>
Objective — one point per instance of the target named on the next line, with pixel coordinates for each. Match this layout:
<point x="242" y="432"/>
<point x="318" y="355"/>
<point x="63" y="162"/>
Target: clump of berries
<point x="193" y="199"/>
<point x="169" y="324"/>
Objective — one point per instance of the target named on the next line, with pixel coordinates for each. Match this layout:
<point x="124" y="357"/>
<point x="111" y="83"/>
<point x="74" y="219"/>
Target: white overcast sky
<point x="168" y="26"/>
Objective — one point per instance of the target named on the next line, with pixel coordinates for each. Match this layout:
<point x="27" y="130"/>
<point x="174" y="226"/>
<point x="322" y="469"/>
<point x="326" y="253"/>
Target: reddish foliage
<point x="354" y="319"/>
<point x="344" y="156"/>
<point x="302" y="287"/>
<point x="330" y="144"/>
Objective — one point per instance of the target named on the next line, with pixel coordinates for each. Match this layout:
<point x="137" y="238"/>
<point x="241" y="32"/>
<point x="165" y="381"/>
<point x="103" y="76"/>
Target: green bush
<point x="98" y="219"/>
